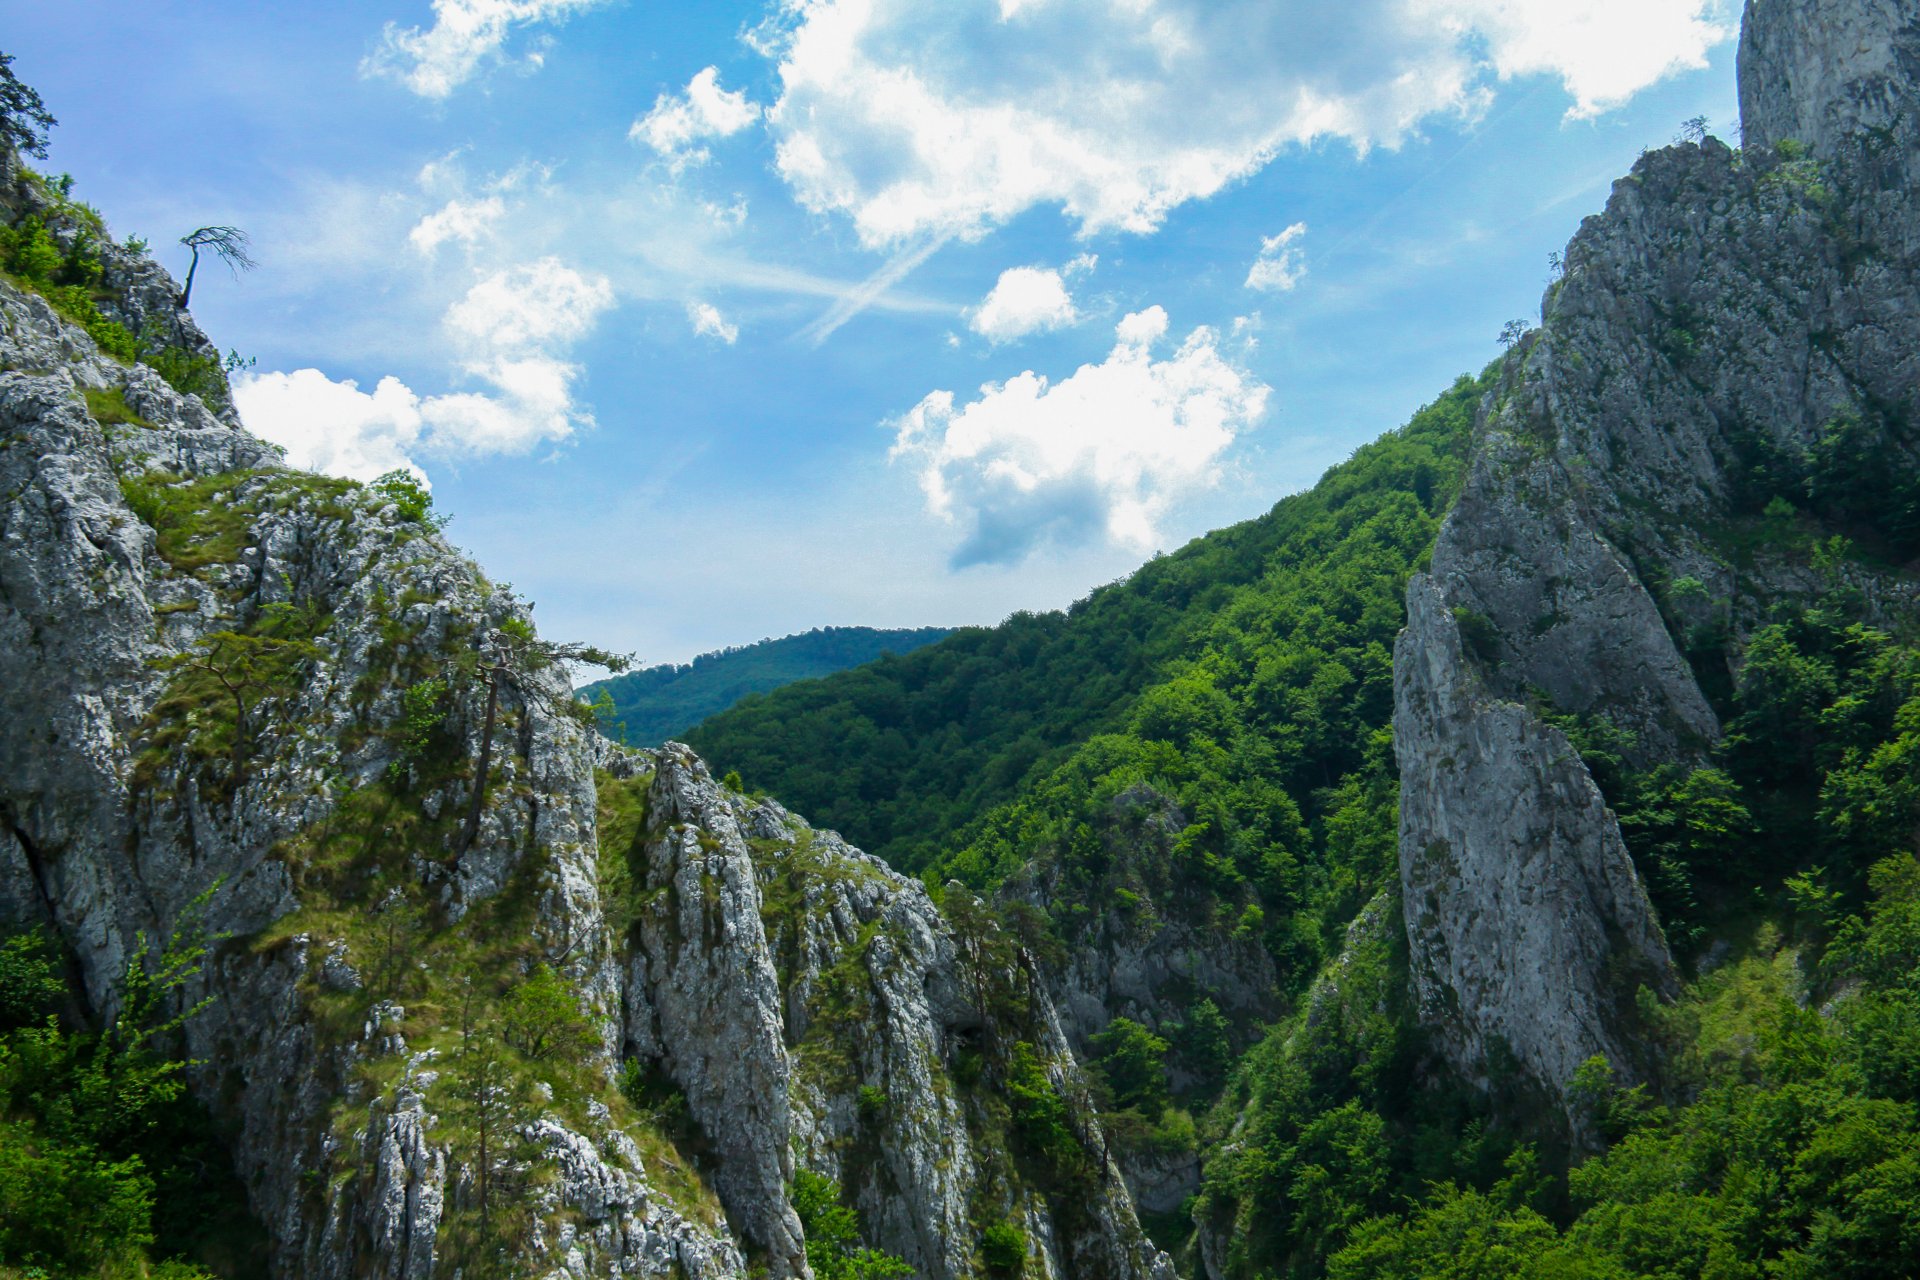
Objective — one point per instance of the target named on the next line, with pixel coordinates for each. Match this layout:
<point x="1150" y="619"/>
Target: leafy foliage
<point x="409" y="497"/>
<point x="1244" y="678"/>
<point x="24" y="118"/>
<point x="1800" y="1156"/>
<point x="65" y="276"/>
<point x="654" y="704"/>
<point x="107" y="1166"/>
<point x="835" y="1250"/>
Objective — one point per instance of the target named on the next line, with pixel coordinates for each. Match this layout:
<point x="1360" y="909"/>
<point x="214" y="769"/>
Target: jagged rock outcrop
<point x="1725" y="320"/>
<point x="1532" y="931"/>
<point x="368" y="957"/>
<point x="782" y="954"/>
<point x="1826" y="74"/>
<point x="704" y="1001"/>
<point x="1138" y="944"/>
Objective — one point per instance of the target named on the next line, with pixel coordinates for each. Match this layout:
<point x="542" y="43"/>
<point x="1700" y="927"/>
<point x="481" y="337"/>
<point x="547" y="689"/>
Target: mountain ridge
<point x="652" y="704"/>
<point x="1497" y="862"/>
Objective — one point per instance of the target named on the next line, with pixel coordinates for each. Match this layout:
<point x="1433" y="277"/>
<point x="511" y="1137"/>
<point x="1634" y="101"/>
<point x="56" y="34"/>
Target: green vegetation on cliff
<point x="108" y="1167"/>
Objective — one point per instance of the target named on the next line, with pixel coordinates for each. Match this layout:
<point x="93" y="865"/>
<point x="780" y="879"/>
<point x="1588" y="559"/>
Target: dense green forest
<point x="1783" y="1137"/>
<point x="1247" y="679"/>
<point x="1289" y="617"/>
<point x="647" y="707"/>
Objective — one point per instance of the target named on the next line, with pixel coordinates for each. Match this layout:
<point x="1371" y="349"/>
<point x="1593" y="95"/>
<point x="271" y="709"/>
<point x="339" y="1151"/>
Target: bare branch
<point x="230" y="244"/>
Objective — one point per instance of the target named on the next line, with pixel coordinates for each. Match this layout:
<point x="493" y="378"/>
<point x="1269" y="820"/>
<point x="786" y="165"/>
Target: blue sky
<point x="709" y="322"/>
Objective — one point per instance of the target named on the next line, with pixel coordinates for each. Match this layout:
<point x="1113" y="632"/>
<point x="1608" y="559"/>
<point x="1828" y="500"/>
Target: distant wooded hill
<point x="654" y="704"/>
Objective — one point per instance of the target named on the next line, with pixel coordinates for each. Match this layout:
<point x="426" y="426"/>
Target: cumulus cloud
<point x="465" y="33"/>
<point x="332" y="426"/>
<point x="512" y="330"/>
<point x="678" y="124"/>
<point x="709" y="323"/>
<point x="464" y="222"/>
<point x="1025" y="300"/>
<point x="922" y="120"/>
<point x="542" y="305"/>
<point x="1281" y="264"/>
<point x="1101" y="454"/>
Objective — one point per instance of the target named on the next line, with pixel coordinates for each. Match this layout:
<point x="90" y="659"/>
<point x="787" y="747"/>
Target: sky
<point x="720" y="321"/>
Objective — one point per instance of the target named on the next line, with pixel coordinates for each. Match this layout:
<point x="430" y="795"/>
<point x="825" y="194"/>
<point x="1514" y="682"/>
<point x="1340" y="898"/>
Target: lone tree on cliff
<point x="24" y="119"/>
<point x="512" y="654"/>
<point x="229" y="244"/>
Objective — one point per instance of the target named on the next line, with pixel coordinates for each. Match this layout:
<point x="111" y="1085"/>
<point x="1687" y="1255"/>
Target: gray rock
<point x="1527" y="924"/>
<point x="1727" y="307"/>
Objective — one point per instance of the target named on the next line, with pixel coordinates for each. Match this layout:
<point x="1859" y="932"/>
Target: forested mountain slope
<point x="1497" y="862"/>
<point x="645" y="708"/>
<point x="1648" y="797"/>
<point x="910" y="750"/>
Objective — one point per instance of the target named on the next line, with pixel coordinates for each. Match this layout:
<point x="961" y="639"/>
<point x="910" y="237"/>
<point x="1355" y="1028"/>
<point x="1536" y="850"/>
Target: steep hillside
<point x="647" y="707"/>
<point x="907" y="752"/>
<point x="1497" y="862"/>
<point x="1651" y="721"/>
<point x="296" y="806"/>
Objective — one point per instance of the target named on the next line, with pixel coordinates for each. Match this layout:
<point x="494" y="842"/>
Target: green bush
<point x="834" y="1248"/>
<point x="1003" y="1249"/>
<point x="107" y="1166"/>
<point x="64" y="277"/>
<point x="409" y="497"/>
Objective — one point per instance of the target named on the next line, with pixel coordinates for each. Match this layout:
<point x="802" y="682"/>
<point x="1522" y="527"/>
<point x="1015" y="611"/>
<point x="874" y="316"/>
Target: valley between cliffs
<point x="1498" y="861"/>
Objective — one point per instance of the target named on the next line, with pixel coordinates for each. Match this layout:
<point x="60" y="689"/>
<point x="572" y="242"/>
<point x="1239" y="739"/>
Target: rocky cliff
<point x="592" y="1021"/>
<point x="1738" y="327"/>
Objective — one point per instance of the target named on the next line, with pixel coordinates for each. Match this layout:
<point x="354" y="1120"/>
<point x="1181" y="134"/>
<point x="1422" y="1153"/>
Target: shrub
<point x="1003" y="1249"/>
<point x="409" y="497"/>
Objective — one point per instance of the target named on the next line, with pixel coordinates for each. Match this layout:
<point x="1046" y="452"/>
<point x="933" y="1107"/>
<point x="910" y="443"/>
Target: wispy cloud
<point x="679" y="124"/>
<point x="465" y="35"/>
<point x="1281" y="264"/>
<point x="709" y="323"/>
<point x="854" y="300"/>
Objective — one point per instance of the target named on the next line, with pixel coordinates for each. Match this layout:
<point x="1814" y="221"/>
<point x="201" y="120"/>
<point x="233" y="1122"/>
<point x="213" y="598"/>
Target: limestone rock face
<point x="766" y="953"/>
<point x="1530" y="927"/>
<point x="797" y="998"/>
<point x="712" y="999"/>
<point x="1712" y="327"/>
<point x="1822" y="74"/>
<point x="1142" y="960"/>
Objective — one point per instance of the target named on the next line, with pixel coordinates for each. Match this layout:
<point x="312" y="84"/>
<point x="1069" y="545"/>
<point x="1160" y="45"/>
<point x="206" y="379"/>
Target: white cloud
<point x="925" y="120"/>
<point x="540" y="305"/>
<point x="1103" y="453"/>
<point x="332" y="426"/>
<point x="709" y="323"/>
<point x="731" y="216"/>
<point x="512" y="330"/>
<point x="1025" y="300"/>
<point x="677" y="125"/>
<point x="462" y="221"/>
<point x="465" y="33"/>
<point x="1281" y="264"/>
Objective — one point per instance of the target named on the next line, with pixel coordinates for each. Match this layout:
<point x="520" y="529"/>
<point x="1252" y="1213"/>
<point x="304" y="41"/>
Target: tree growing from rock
<point x="490" y="1100"/>
<point x="543" y="1019"/>
<point x="229" y="244"/>
<point x="24" y="119"/>
<point x="514" y="655"/>
<point x="244" y="668"/>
